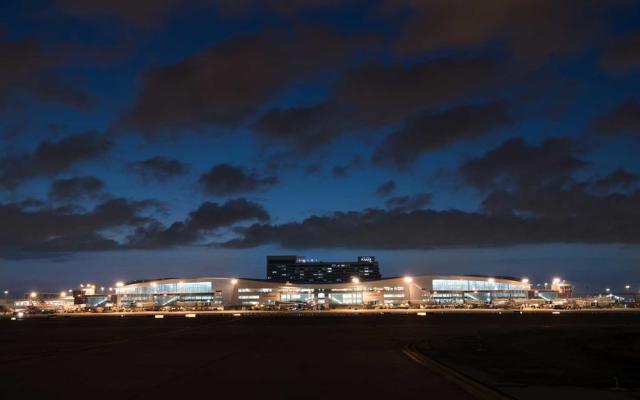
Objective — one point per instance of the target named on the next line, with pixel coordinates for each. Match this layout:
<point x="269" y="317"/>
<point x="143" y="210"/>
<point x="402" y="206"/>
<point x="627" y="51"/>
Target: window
<point x="470" y="285"/>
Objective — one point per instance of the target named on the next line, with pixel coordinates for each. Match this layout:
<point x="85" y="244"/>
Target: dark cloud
<point x="386" y="188"/>
<point x="305" y="128"/>
<point x="432" y="131"/>
<point x="41" y="228"/>
<point x="207" y="218"/>
<point x="227" y="83"/>
<point x="26" y="69"/>
<point x="374" y="95"/>
<point x="622" y="120"/>
<point x="560" y="26"/>
<point x="38" y="229"/>
<point x="225" y="179"/>
<point x="409" y="203"/>
<point x="619" y="179"/>
<point x="76" y="188"/>
<point x="623" y="55"/>
<point x="343" y="170"/>
<point x="540" y="213"/>
<point x="424" y="229"/>
<point x="517" y="164"/>
<point x="158" y="168"/>
<point x="145" y="13"/>
<point x="573" y="204"/>
<point x="51" y="158"/>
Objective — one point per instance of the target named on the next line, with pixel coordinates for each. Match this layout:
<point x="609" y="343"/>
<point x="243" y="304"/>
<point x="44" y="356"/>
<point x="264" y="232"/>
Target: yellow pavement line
<point x="467" y="383"/>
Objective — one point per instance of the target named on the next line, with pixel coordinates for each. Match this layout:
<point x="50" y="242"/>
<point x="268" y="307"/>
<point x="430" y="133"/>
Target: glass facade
<point x="470" y="285"/>
<point x="346" y="298"/>
<point x="178" y="287"/>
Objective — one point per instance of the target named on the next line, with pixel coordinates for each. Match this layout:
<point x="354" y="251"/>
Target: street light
<point x="525" y="280"/>
<point x="63" y="294"/>
<point x="355" y="280"/>
<point x="627" y="287"/>
<point x="33" y="295"/>
<point x="119" y="284"/>
<point x="234" y="281"/>
<point x="408" y="279"/>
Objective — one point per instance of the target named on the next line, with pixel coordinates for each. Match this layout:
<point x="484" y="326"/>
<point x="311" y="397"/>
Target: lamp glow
<point x="408" y="279"/>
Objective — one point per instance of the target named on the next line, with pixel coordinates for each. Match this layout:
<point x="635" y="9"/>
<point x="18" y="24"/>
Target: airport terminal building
<point x="408" y="291"/>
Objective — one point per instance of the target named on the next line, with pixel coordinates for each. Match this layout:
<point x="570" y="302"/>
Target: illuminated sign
<point x="367" y="259"/>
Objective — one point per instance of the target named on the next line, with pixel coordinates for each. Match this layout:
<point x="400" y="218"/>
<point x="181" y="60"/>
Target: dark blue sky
<point x="166" y="138"/>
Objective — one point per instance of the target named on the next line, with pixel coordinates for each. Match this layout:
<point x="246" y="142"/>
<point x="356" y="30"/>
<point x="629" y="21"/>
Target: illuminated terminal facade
<point x="415" y="291"/>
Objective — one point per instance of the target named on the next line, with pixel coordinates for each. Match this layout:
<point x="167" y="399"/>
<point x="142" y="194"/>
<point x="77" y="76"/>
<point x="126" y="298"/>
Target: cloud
<point x="525" y="216"/>
<point x="144" y="13"/>
<point x="306" y="128"/>
<point x="623" y="55"/>
<point x="374" y="95"/>
<point x="622" y="120"/>
<point x="225" y="179"/>
<point x="28" y="228"/>
<point x="76" y="188"/>
<point x="619" y="179"/>
<point x="206" y="219"/>
<point x="228" y="83"/>
<point x="26" y="69"/>
<point x="386" y="188"/>
<point x="409" y="203"/>
<point x="158" y="168"/>
<point x="343" y="170"/>
<point x="517" y="164"/>
<point x="31" y="228"/>
<point x="51" y="158"/>
<point x="431" y="131"/>
<point x="561" y="27"/>
<point x="425" y="229"/>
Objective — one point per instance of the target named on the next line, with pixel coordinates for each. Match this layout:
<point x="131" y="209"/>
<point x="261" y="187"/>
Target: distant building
<point x="297" y="269"/>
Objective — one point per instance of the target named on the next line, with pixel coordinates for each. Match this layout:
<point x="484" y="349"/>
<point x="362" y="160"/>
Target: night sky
<point x="158" y="138"/>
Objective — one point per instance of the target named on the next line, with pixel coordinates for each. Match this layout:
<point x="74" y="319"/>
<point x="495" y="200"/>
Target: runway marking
<point x="468" y="384"/>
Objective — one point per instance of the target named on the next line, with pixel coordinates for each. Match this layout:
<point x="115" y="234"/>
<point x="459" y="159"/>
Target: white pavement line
<point x="468" y="384"/>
